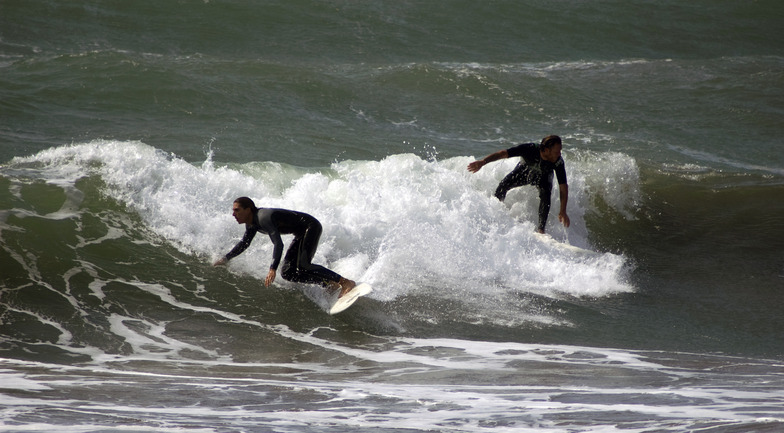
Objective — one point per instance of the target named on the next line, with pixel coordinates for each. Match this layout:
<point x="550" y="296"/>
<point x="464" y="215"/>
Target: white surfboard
<point x="349" y="298"/>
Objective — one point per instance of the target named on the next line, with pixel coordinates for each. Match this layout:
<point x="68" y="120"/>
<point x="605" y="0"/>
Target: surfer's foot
<point x="345" y="286"/>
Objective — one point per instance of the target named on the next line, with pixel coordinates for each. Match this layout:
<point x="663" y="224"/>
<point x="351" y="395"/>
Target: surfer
<point x="536" y="167"/>
<point x="297" y="264"/>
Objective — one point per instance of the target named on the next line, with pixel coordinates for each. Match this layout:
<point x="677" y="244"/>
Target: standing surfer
<point x="536" y="167"/>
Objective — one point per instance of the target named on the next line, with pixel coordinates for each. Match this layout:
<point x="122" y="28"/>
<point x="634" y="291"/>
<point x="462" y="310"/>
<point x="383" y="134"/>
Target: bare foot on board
<point x="344" y="285"/>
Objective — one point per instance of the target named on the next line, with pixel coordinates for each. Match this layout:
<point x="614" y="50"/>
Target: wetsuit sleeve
<point x="277" y="252"/>
<point x="269" y="224"/>
<point x="518" y="150"/>
<point x="560" y="172"/>
<point x="242" y="245"/>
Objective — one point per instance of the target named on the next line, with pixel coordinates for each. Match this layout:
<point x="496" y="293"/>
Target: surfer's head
<point x="243" y="210"/>
<point x="550" y="149"/>
<point x="550" y="141"/>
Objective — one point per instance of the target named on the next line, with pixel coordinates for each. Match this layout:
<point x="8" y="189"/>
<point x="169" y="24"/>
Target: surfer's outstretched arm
<point x="478" y="164"/>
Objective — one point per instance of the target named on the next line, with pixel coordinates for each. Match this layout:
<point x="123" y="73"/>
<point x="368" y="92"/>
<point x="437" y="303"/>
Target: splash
<point x="404" y="224"/>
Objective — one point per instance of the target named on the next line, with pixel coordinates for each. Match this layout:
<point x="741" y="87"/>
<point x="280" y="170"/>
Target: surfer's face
<point x="241" y="214"/>
<point x="552" y="153"/>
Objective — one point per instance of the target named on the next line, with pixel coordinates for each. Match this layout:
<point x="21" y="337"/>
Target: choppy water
<point x="128" y="129"/>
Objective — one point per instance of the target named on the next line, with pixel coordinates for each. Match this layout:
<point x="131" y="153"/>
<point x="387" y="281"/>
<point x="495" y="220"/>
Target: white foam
<point x="401" y="224"/>
<point x="420" y="384"/>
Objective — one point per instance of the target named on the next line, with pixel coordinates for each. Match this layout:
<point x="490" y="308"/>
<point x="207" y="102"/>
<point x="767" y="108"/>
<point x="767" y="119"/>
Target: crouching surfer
<point x="297" y="266"/>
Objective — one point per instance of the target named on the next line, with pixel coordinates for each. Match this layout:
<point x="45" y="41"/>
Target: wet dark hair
<point x="550" y="141"/>
<point x="246" y="203"/>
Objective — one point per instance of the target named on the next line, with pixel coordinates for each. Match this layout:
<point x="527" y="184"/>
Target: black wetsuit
<point x="297" y="264"/>
<point x="533" y="170"/>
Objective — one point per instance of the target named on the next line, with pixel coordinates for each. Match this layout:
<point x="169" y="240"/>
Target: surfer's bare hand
<point x="564" y="219"/>
<point x="475" y="166"/>
<point x="220" y="262"/>
<point x="270" y="277"/>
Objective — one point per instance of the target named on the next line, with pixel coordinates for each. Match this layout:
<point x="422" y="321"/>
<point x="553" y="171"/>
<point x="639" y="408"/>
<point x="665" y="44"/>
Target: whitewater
<point x="401" y="224"/>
